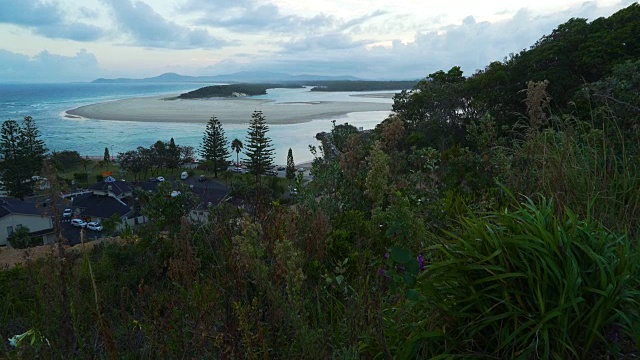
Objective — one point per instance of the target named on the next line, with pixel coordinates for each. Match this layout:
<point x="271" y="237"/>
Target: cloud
<point x="48" y="67"/>
<point x="46" y="19"/>
<point x="255" y="16"/>
<point x="471" y="44"/>
<point x="149" y="29"/>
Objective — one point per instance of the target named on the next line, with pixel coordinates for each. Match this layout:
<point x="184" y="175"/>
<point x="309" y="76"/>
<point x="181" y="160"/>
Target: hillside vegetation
<point x="494" y="216"/>
<point x="233" y="90"/>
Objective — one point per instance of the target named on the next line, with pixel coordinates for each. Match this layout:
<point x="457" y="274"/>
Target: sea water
<point x="47" y="104"/>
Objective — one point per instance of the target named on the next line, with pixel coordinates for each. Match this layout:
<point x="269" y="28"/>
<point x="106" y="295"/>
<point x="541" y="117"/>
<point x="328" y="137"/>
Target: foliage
<point x="258" y="148"/>
<point x="291" y="166"/>
<point x="214" y="146"/>
<point x="21" y="239"/>
<point x="22" y="152"/>
<point x="236" y="145"/>
<point x="530" y="282"/>
<point x="233" y="90"/>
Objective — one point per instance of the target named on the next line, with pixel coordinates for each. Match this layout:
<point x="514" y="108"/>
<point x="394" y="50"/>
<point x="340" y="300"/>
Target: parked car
<point x="281" y="168"/>
<point x="238" y="170"/>
<point x="202" y="178"/>
<point x="160" y="178"/>
<point x="300" y="170"/>
<point x="78" y="223"/>
<point x="95" y="226"/>
<point x="272" y="173"/>
<point x="184" y="175"/>
<point x="67" y="213"/>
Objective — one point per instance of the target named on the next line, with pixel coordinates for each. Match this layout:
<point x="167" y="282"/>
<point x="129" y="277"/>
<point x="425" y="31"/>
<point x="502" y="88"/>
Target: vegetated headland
<point x="233" y="90"/>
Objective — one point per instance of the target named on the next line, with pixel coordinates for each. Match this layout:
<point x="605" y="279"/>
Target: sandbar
<point x="227" y="110"/>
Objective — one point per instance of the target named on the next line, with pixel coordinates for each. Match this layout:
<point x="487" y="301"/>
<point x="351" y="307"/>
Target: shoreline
<point x="228" y="110"/>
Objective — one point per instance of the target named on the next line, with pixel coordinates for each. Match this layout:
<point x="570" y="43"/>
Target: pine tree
<point x="291" y="167"/>
<point x="173" y="155"/>
<point x="258" y="147"/>
<point x="22" y="154"/>
<point x="107" y="157"/>
<point x="214" y="146"/>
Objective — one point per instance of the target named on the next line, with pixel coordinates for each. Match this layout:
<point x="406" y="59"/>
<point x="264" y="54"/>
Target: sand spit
<point x="229" y="111"/>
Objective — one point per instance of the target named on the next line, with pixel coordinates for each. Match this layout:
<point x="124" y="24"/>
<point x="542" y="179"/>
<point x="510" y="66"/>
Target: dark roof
<point x="117" y="187"/>
<point x="146" y="185"/>
<point x="213" y="195"/>
<point x="16" y="206"/>
<point x="99" y="206"/>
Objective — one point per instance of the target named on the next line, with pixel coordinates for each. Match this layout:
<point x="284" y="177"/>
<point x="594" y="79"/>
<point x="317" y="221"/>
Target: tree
<point x="291" y="167"/>
<point x="258" y="150"/>
<point x="172" y="155"/>
<point x="22" y="154"/>
<point x="21" y="239"/>
<point x="236" y="145"/>
<point x="32" y="146"/>
<point x="214" y="145"/>
<point x="107" y="157"/>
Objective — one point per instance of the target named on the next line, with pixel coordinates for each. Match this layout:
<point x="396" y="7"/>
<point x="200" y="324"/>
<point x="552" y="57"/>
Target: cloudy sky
<point x="80" y="40"/>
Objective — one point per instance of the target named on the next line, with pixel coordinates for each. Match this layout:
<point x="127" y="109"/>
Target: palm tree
<point x="236" y="145"/>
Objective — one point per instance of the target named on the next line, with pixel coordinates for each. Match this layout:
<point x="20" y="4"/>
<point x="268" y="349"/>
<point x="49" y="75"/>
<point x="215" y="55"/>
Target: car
<point x="202" y="178"/>
<point x="175" y="193"/>
<point x="95" y="226"/>
<point x="78" y="223"/>
<point x="272" y="173"/>
<point x="300" y="170"/>
<point x="184" y="175"/>
<point x="238" y="170"/>
<point x="153" y="179"/>
<point x="67" y="213"/>
<point x="160" y="178"/>
<point x="281" y="168"/>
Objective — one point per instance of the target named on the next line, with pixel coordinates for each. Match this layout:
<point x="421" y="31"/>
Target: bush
<point x="20" y="239"/>
<point x="531" y="283"/>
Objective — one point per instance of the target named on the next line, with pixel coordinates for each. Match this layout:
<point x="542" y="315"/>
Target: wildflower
<point x="381" y="272"/>
<point x="421" y="262"/>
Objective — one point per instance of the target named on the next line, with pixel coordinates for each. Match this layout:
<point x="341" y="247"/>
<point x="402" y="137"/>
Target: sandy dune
<point x="230" y="111"/>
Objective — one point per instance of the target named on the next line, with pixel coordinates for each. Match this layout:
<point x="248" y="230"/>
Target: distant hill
<point x="239" y="77"/>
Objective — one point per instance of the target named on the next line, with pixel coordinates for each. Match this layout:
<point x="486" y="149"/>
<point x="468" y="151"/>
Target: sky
<point x="80" y="40"/>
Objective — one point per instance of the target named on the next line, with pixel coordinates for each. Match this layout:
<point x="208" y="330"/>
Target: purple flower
<point x="381" y="272"/>
<point x="386" y="256"/>
<point x="421" y="262"/>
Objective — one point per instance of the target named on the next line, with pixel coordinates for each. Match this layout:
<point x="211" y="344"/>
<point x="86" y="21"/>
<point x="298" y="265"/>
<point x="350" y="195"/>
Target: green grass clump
<point x="530" y="283"/>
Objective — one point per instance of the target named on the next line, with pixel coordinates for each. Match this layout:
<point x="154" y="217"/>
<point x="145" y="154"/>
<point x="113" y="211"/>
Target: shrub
<point x="529" y="283"/>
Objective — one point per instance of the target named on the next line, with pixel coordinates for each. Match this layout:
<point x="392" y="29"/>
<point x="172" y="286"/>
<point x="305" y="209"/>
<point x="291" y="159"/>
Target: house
<point x="105" y="199"/>
<point x="15" y="214"/>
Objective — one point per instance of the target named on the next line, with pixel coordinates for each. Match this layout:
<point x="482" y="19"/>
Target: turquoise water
<point x="46" y="103"/>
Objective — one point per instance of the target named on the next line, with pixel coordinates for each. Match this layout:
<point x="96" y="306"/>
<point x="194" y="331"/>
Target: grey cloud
<point x="46" y="19"/>
<point x="150" y="29"/>
<point x="48" y="67"/>
<point x="471" y="44"/>
<point x="328" y="41"/>
<point x="253" y="15"/>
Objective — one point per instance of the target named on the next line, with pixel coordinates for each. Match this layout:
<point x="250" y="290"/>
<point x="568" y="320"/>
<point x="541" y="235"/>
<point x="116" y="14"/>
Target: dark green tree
<point x="106" y="157"/>
<point x="21" y="239"/>
<point x="33" y="147"/>
<point x="172" y="155"/>
<point x="236" y="145"/>
<point x="214" y="146"/>
<point x="22" y="154"/>
<point x="258" y="147"/>
<point x="291" y="166"/>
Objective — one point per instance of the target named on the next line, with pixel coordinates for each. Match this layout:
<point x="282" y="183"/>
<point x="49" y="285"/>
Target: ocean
<point x="46" y="103"/>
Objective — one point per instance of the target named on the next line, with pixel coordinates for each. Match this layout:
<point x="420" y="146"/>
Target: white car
<point x="95" y="226"/>
<point x="67" y="213"/>
<point x="300" y="170"/>
<point x="160" y="178"/>
<point x="78" y="223"/>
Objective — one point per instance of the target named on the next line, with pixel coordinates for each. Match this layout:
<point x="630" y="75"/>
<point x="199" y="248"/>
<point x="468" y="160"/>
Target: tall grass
<point x="533" y="282"/>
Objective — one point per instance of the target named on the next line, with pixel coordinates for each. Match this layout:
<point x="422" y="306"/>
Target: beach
<point x="227" y="110"/>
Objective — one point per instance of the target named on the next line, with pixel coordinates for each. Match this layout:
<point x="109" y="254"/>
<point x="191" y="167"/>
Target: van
<point x="184" y="175"/>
